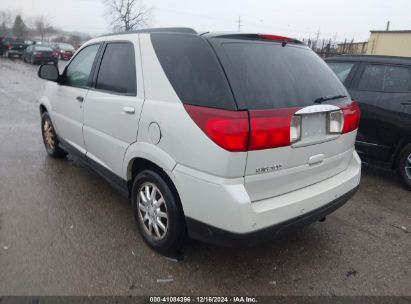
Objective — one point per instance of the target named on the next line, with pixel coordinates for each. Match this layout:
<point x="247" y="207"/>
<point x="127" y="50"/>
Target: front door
<point x="69" y="96"/>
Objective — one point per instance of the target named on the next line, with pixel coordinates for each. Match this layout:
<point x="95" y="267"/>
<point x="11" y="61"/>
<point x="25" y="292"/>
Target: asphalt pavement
<point x="65" y="231"/>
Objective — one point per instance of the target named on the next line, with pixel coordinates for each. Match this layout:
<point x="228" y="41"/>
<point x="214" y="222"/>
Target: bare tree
<point x="127" y="15"/>
<point x="41" y="26"/>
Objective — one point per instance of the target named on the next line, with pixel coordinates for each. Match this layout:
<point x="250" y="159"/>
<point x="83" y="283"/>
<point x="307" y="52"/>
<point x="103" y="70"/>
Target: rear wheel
<point x="404" y="166"/>
<point x="50" y="139"/>
<point x="157" y="212"/>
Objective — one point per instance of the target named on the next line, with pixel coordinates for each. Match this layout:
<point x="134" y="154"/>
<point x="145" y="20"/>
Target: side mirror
<point x="48" y="72"/>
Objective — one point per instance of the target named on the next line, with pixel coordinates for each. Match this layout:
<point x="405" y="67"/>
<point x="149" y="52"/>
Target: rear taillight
<point x="352" y="115"/>
<point x="9" y="46"/>
<point x="272" y="128"/>
<point x="228" y="129"/>
<point x="248" y="130"/>
<point x="54" y="54"/>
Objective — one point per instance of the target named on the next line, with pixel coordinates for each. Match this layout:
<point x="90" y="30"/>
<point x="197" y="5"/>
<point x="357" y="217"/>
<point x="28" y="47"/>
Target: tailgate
<point x="302" y="130"/>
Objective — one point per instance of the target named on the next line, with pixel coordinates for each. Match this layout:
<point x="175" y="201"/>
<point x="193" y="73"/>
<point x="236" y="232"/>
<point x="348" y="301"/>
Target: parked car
<point x="382" y="87"/>
<point x="40" y="53"/>
<point x="241" y="136"/>
<point x="64" y="50"/>
<point x="12" y="47"/>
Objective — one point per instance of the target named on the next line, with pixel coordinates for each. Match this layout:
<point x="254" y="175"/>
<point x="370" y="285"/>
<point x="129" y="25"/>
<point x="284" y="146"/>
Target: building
<point x="392" y="43"/>
<point x="352" y="48"/>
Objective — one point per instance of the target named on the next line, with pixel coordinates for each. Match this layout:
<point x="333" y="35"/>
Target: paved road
<point x="65" y="231"/>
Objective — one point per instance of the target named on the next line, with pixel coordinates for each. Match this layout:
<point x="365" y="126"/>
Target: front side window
<point x="341" y="69"/>
<point x="117" y="71"/>
<point x="385" y="78"/>
<point x="78" y="72"/>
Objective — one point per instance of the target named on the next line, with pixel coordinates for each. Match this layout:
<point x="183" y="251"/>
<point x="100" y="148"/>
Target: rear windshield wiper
<point x="326" y="98"/>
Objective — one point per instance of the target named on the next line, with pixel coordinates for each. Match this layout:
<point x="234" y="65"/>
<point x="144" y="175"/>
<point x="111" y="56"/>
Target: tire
<point x="404" y="166"/>
<point x="50" y="139"/>
<point x="169" y="213"/>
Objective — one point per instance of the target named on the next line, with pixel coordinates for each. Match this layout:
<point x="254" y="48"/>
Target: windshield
<point x="266" y="75"/>
<point x="66" y="47"/>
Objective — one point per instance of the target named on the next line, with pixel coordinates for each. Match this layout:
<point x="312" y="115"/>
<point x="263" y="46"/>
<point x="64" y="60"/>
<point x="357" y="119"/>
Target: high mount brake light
<point x="275" y="37"/>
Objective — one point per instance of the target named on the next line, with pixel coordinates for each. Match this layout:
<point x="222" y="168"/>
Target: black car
<point x="40" y="53"/>
<point x="382" y="87"/>
<point x="11" y="47"/>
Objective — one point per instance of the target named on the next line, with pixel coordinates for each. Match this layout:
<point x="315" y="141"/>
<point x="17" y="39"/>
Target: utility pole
<point x="317" y="38"/>
<point x="239" y="24"/>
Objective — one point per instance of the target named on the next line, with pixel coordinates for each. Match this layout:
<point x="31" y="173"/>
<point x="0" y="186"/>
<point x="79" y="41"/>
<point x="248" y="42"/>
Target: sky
<point x="297" y="18"/>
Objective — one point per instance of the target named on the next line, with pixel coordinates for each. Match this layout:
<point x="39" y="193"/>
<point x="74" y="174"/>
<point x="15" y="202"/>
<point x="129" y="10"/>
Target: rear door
<point x="113" y="106"/>
<point x="275" y="82"/>
<point x="384" y="94"/>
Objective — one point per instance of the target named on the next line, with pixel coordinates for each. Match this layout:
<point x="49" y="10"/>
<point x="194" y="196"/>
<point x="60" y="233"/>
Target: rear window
<point x="66" y="47"/>
<point x="193" y="70"/>
<point x="266" y="75"/>
<point x="43" y="48"/>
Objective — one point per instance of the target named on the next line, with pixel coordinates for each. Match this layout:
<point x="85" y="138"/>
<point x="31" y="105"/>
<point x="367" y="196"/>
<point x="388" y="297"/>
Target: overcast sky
<point x="297" y="18"/>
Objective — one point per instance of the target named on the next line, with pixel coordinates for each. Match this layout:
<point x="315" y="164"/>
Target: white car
<point x="226" y="138"/>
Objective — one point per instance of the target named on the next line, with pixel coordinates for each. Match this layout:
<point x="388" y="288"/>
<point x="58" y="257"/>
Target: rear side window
<point x="117" y="71"/>
<point x="341" y="69"/>
<point x="266" y="75"/>
<point x="385" y="78"/>
<point x="193" y="70"/>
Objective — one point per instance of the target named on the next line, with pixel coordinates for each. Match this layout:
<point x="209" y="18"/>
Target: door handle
<point x="80" y="98"/>
<point x="406" y="103"/>
<point x="129" y="110"/>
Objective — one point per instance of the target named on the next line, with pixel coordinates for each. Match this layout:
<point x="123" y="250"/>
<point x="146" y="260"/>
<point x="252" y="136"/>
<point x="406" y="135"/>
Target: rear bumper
<point x="216" y="206"/>
<point x="206" y="233"/>
<point x="15" y="52"/>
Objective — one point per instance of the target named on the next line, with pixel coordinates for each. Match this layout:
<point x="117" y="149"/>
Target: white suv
<point x="226" y="138"/>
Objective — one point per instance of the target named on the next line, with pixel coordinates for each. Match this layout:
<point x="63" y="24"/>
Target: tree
<point x="4" y="31"/>
<point x="42" y="27"/>
<point x="127" y="14"/>
<point x="19" y="28"/>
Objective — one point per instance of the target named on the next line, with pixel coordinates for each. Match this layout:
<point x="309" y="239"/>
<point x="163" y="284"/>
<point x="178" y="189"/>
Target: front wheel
<point x="158" y="213"/>
<point x="50" y="139"/>
<point x="404" y="166"/>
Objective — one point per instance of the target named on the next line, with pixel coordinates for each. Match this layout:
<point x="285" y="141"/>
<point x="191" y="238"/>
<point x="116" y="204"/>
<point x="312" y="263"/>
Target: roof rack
<point x="184" y="30"/>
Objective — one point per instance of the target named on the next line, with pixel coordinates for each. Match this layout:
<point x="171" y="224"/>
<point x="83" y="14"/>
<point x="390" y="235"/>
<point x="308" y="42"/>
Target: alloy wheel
<point x="152" y="211"/>
<point x="48" y="134"/>
<point x="408" y="166"/>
